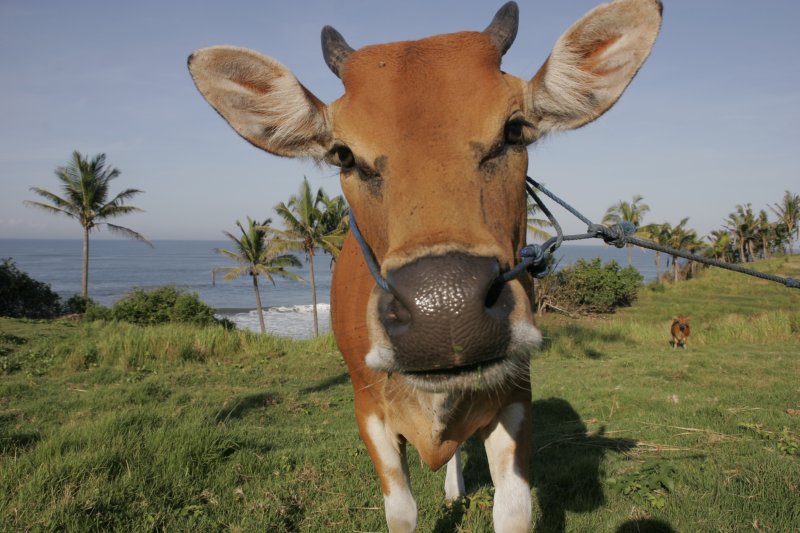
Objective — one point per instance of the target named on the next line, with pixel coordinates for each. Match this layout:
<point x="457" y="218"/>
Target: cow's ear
<point x="262" y="100"/>
<point x="592" y="63"/>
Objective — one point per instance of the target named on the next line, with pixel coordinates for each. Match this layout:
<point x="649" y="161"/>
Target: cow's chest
<point x="436" y="423"/>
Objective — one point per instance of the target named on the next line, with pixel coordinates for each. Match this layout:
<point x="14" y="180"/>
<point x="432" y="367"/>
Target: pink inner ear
<point x="253" y="85"/>
<point x="250" y="76"/>
<point x="593" y="57"/>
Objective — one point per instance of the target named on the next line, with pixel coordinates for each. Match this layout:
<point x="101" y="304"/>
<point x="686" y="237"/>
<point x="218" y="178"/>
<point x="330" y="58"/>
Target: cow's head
<point x="431" y="139"/>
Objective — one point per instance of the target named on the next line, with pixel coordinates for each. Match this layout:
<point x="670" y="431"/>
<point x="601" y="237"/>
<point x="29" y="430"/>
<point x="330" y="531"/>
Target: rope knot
<point x="618" y="234"/>
<point x="535" y="260"/>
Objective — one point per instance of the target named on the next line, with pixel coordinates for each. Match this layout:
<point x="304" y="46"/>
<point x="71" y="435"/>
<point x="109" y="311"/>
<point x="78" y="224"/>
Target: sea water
<point x="118" y="266"/>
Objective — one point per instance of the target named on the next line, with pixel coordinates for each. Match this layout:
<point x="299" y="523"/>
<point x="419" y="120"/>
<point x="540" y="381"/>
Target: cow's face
<point x="431" y="139"/>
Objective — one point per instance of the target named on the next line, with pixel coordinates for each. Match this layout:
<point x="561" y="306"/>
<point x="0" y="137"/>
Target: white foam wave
<point x="295" y="321"/>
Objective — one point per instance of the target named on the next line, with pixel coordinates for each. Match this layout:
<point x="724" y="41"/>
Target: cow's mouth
<point x="444" y="373"/>
<point x="484" y="375"/>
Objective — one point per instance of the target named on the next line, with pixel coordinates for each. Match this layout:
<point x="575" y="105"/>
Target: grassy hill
<point x="118" y="427"/>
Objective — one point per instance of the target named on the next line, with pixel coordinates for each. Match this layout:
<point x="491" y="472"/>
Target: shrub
<point x="96" y="311"/>
<point x="590" y="286"/>
<point x="161" y="305"/>
<point x="23" y="297"/>
<point x="190" y="308"/>
<point x="77" y="304"/>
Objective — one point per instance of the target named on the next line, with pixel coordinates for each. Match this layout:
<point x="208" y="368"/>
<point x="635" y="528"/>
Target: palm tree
<point x="258" y="253"/>
<point x="788" y="211"/>
<point x="680" y="237"/>
<point x="631" y="212"/>
<point x="537" y="224"/>
<point x="720" y="247"/>
<point x="336" y="214"/>
<point x="695" y="245"/>
<point x="659" y="234"/>
<point x="742" y="225"/>
<point x="765" y="231"/>
<point x="85" y="187"/>
<point x="311" y="223"/>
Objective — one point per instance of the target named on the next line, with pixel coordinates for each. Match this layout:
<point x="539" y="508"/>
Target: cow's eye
<point x="515" y="132"/>
<point x="342" y="156"/>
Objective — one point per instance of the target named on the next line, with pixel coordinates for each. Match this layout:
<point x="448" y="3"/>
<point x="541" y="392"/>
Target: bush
<point x="96" y="311"/>
<point x="23" y="297"/>
<point x="190" y="308"/>
<point x="161" y="305"/>
<point x="590" y="286"/>
<point x="77" y="304"/>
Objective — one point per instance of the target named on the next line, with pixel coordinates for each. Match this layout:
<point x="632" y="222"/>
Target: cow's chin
<point x="500" y="372"/>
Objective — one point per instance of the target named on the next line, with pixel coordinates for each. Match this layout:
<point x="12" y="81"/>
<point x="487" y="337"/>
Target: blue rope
<point x="369" y="257"/>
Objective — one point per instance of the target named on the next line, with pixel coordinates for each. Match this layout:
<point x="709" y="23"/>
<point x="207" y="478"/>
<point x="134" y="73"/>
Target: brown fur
<point x="680" y="331"/>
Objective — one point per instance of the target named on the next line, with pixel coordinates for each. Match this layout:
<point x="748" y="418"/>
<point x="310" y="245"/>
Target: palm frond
<point x="127" y="232"/>
<point x="51" y="208"/>
<point x="57" y="201"/>
<point x="123" y="196"/>
<point x="228" y="254"/>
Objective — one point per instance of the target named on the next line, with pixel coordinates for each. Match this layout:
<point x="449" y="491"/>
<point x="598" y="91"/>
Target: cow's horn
<point x="503" y="28"/>
<point x="335" y="50"/>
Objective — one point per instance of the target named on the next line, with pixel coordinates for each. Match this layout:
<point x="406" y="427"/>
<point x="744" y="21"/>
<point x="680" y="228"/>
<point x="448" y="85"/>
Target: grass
<point x="176" y="428"/>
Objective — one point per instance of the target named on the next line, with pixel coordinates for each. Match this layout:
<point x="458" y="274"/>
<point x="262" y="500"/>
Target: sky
<point x="711" y="120"/>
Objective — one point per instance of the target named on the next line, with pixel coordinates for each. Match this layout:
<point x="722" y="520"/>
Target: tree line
<point x="744" y="236"/>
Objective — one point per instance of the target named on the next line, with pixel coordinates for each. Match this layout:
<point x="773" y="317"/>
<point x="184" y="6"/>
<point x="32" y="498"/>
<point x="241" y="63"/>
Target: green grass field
<point x="175" y="428"/>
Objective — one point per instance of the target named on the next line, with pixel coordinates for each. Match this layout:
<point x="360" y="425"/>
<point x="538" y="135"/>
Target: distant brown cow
<point x="680" y="331"/>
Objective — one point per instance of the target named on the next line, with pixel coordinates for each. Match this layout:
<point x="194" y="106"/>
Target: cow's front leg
<point x="507" y="443"/>
<point x="388" y="453"/>
<point x="454" y="478"/>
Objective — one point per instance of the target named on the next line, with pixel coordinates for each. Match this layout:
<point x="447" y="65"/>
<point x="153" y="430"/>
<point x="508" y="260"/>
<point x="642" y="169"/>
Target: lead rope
<point x="369" y="257"/>
<point x="535" y="257"/>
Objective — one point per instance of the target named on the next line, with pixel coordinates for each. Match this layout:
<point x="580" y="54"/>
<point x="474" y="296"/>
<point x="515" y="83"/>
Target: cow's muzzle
<point x="446" y="313"/>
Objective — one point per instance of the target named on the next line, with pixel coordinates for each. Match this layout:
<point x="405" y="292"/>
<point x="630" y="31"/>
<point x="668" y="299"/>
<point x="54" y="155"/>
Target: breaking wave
<point x="295" y="321"/>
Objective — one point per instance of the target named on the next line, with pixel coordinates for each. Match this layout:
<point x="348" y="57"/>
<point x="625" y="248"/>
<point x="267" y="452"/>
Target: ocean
<point x="117" y="266"/>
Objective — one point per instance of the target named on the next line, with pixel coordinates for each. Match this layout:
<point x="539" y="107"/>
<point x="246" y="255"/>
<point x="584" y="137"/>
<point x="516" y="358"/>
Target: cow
<point x="431" y="139"/>
<point x="680" y="331"/>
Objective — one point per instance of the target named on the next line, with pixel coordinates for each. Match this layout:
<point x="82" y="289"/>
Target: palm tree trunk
<point x="675" y="269"/>
<point x="658" y="266"/>
<point x="630" y="254"/>
<point x="258" y="306"/>
<point x="313" y="290"/>
<point x="85" y="273"/>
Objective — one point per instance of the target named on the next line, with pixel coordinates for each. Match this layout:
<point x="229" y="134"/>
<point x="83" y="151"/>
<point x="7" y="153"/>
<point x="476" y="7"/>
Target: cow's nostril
<point x="493" y="294"/>
<point x="394" y="316"/>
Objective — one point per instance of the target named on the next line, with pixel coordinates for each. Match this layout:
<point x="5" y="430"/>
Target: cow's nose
<point x="446" y="311"/>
